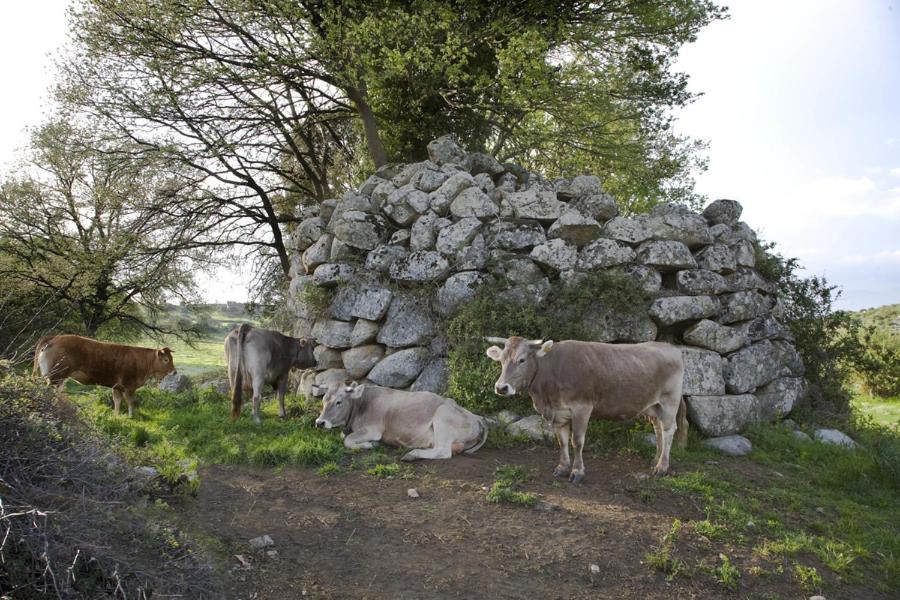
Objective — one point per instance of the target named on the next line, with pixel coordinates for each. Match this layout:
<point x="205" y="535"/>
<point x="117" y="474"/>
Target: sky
<point x="800" y="106"/>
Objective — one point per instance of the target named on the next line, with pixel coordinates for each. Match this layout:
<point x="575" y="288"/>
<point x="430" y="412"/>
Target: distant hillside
<point x="884" y="318"/>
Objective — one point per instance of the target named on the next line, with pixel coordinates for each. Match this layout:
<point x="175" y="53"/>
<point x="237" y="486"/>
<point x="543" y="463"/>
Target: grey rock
<point x="676" y="309"/>
<point x="721" y="339"/>
<point x="574" y="227"/>
<point x="368" y="186"/>
<point x="717" y="258"/>
<point x="175" y="383"/>
<point x="506" y="183"/>
<point x="409" y="323"/>
<point x="399" y="369"/>
<point x="418" y="200"/>
<point x="535" y="203"/>
<point x="398" y="209"/>
<point x="433" y="378"/>
<point x="607" y="324"/>
<point x="263" y="541"/>
<point x="505" y="417"/>
<point x="318" y="253"/>
<point x="331" y="274"/>
<point x="752" y="367"/>
<point x="632" y="231"/>
<point x="307" y="233"/>
<point x="446" y="150"/>
<point x="479" y="162"/>
<point x="358" y="361"/>
<point x="535" y="292"/>
<point x="834" y="437"/>
<point x="790" y="360"/>
<point x="419" y="266"/>
<point x="533" y="427"/>
<point x="327" y="358"/>
<point x="452" y="239"/>
<point x="801" y="436"/>
<point x="363" y="332"/>
<point x="648" y="279"/>
<point x="557" y="255"/>
<point x="745" y="254"/>
<point x="361" y="300"/>
<point x="457" y="290"/>
<point x="452" y="186"/>
<point x="305" y="382"/>
<point x="603" y="253"/>
<point x="220" y="386"/>
<point x="381" y="258"/>
<point x="744" y="279"/>
<point x="334" y="334"/>
<point x="585" y="185"/>
<point x="731" y="445"/>
<point x="742" y="306"/>
<point x="473" y="256"/>
<point x="726" y="212"/>
<point x="472" y="202"/>
<point x="778" y="398"/>
<point x="679" y="224"/>
<point x="326" y="378"/>
<point x="508" y="235"/>
<point x="400" y="237"/>
<point x="422" y="235"/>
<point x="600" y="207"/>
<point x="766" y="327"/>
<point x="341" y="252"/>
<point x="518" y="270"/>
<point x="407" y="172"/>
<point x="665" y="255"/>
<point x="382" y="192"/>
<point x="349" y="203"/>
<point x="326" y="208"/>
<point x="485" y="184"/>
<point x="702" y="372"/>
<point x="147" y="471"/>
<point x="718" y="415"/>
<point x="701" y="282"/>
<point x="431" y="179"/>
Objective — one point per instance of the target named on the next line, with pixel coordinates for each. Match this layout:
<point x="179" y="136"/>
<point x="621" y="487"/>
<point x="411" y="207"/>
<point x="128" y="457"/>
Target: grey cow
<point x="260" y="357"/>
<point x="433" y="426"/>
<point x="571" y="382"/>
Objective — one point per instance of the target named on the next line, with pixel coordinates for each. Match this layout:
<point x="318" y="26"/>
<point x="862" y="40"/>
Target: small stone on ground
<point x="261" y="542"/>
<point x="732" y="445"/>
<point x="412" y="493"/>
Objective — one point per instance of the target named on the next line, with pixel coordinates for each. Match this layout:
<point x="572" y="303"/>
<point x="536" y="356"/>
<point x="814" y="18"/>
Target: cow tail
<point x="238" y="386"/>
<point x="484" y="437"/>
<point x="38" y="348"/>
<point x="681" y="433"/>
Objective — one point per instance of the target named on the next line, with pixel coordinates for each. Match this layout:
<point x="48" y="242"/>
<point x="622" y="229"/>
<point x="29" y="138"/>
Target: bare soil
<point x="357" y="536"/>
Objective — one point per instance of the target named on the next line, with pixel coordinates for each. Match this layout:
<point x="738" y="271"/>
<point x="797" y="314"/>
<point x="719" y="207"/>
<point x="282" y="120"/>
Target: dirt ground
<point x="356" y="536"/>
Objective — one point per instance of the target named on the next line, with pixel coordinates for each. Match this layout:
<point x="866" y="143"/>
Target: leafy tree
<point x="98" y="231"/>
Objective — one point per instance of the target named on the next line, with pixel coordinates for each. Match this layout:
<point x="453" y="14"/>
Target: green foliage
<point x="316" y="297"/>
<point x="808" y="578"/>
<point x="504" y="490"/>
<point x="569" y="312"/>
<point x="879" y="365"/>
<point x="726" y="573"/>
<point x="662" y="559"/>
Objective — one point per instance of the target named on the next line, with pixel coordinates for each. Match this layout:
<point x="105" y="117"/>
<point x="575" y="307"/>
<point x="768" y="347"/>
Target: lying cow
<point x="259" y="357"/>
<point x="570" y="382"/>
<point x="435" y="427"/>
<point x="89" y="362"/>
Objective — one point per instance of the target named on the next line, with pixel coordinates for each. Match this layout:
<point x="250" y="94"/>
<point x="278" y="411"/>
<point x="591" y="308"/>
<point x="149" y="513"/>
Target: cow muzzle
<point x="504" y="389"/>
<point x="323" y="423"/>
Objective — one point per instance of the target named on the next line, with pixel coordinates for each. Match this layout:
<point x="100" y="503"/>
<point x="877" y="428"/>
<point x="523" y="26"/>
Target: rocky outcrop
<point x="398" y="257"/>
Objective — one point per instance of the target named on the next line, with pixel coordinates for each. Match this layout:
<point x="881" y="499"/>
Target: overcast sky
<point x="801" y="107"/>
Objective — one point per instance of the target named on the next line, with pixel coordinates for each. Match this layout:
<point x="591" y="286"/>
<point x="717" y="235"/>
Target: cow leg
<point x="562" y="438"/>
<point x="281" y="386"/>
<point x="361" y="440"/>
<point x="117" y="401"/>
<point x="658" y="430"/>
<point x="129" y="397"/>
<point x="258" y="383"/>
<point x="664" y="421"/>
<point x="442" y="442"/>
<point x="580" y="420"/>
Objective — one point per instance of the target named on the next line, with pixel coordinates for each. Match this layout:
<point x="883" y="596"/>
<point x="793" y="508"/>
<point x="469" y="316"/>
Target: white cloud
<point x="874" y="170"/>
<point x="884" y="256"/>
<point x="895" y="171"/>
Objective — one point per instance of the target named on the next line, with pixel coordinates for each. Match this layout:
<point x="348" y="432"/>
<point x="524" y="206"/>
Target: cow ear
<point x="545" y="348"/>
<point x="494" y="353"/>
<point x="358" y="390"/>
<point x="302" y="342"/>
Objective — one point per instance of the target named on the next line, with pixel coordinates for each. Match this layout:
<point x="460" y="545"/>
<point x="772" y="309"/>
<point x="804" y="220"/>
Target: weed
<point x="808" y="577"/>
<point x="726" y="573"/>
<point x="390" y="471"/>
<point x="661" y="557"/>
<point x="501" y="492"/>
<point x="330" y="468"/>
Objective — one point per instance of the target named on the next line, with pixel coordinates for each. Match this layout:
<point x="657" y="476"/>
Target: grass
<point x="507" y="479"/>
<point x="883" y="411"/>
<point x="201" y="356"/>
<point x="661" y="557"/>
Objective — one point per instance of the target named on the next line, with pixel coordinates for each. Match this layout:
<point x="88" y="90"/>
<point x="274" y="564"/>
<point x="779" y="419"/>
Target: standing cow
<point x="571" y="381"/>
<point x="259" y="357"/>
<point x="433" y="426"/>
<point x="89" y="362"/>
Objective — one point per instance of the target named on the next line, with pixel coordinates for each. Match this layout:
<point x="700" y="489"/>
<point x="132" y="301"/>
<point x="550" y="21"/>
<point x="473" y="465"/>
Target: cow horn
<point x="496" y="340"/>
<point x="535" y="342"/>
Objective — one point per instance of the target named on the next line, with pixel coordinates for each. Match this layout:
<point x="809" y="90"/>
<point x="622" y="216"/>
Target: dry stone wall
<point x="376" y="274"/>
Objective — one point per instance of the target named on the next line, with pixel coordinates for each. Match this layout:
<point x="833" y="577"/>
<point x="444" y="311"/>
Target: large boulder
<point x="359" y="229"/>
<point x="325" y="378"/>
<point x="721" y="339"/>
<point x="535" y="203"/>
<point x="334" y="334"/>
<point x="480" y="163"/>
<point x="534" y="427"/>
<point x="778" y="398"/>
<point x="327" y="358"/>
<point x="361" y="300"/>
<point x="473" y="256"/>
<point x="368" y="186"/>
<point x="834" y="437"/>
<point x="358" y="361"/>
<point x="742" y="306"/>
<point x="422" y="235"/>
<point x="629" y="230"/>
<point x="717" y="257"/>
<point x="419" y="266"/>
<point x="508" y="235"/>
<point x="364" y="332"/>
<point x="603" y="253"/>
<point x="332" y="274"/>
<point x="516" y="269"/>
<point x="307" y="233"/>
<point x="399" y="369"/>
<point x="574" y="227"/>
<point x="175" y="383"/>
<point x="398" y="209"/>
<point x="744" y="279"/>
<point x="457" y="290"/>
<point x="719" y="415"/>
<point x="702" y="372"/>
<point x="649" y="280"/>
<point x="381" y="258"/>
<point x="446" y="150"/>
<point x="433" y="378"/>
<point x="700" y="282"/>
<point x="731" y="445"/>
<point x="752" y="367"/>
<point x="600" y="207"/>
<point x="454" y="238"/>
<point x="609" y="324"/>
<point x="557" y="255"/>
<point x="431" y="179"/>
<point x="726" y="212"/>
<point x="676" y="309"/>
<point x="409" y="323"/>
<point x="665" y="255"/>
<point x="472" y="202"/>
<point x="675" y="222"/>
<point x="317" y="254"/>
<point x="766" y="327"/>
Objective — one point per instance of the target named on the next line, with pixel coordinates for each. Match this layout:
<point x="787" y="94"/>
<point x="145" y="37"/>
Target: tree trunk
<point x="370" y="126"/>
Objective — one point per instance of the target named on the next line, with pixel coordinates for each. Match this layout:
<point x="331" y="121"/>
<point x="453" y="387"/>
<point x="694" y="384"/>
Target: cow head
<point x="339" y="404"/>
<point x="303" y="353"/>
<point x="519" y="358"/>
<point x="163" y="363"/>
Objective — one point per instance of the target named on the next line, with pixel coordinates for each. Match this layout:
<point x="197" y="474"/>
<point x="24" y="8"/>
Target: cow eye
<point x="338" y="402"/>
<point x="521" y="361"/>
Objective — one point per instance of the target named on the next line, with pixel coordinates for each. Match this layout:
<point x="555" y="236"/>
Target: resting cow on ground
<point x="434" y="426"/>
<point x="570" y="382"/>
<point x="259" y="357"/>
<point x="89" y="362"/>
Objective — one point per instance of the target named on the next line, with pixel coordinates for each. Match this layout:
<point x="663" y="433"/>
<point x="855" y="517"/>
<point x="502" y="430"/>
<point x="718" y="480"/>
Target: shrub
<point x="580" y="311"/>
<point x="879" y="365"/>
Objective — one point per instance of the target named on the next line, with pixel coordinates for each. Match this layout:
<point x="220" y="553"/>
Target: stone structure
<point x="397" y="257"/>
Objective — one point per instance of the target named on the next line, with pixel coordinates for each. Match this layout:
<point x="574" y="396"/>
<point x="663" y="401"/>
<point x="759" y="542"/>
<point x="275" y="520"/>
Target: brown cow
<point x="89" y="362"/>
<point x="570" y="382"/>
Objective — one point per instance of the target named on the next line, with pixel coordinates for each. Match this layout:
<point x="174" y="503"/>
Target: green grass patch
<point x="508" y="479"/>
<point x="726" y="573"/>
<point x="882" y="411"/>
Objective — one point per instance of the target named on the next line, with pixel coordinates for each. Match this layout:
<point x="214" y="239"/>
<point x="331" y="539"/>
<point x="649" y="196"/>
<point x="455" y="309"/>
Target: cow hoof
<point x="560" y="472"/>
<point x="409" y="457"/>
<point x="576" y="478"/>
<point x="657" y="472"/>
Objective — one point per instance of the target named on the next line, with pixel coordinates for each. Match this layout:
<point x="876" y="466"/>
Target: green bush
<point x="879" y="365"/>
<point x="576" y="312"/>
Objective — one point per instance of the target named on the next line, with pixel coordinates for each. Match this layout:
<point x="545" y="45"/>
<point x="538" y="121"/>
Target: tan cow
<point x="570" y="382"/>
<point x="434" y="426"/>
<point x="89" y="362"/>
